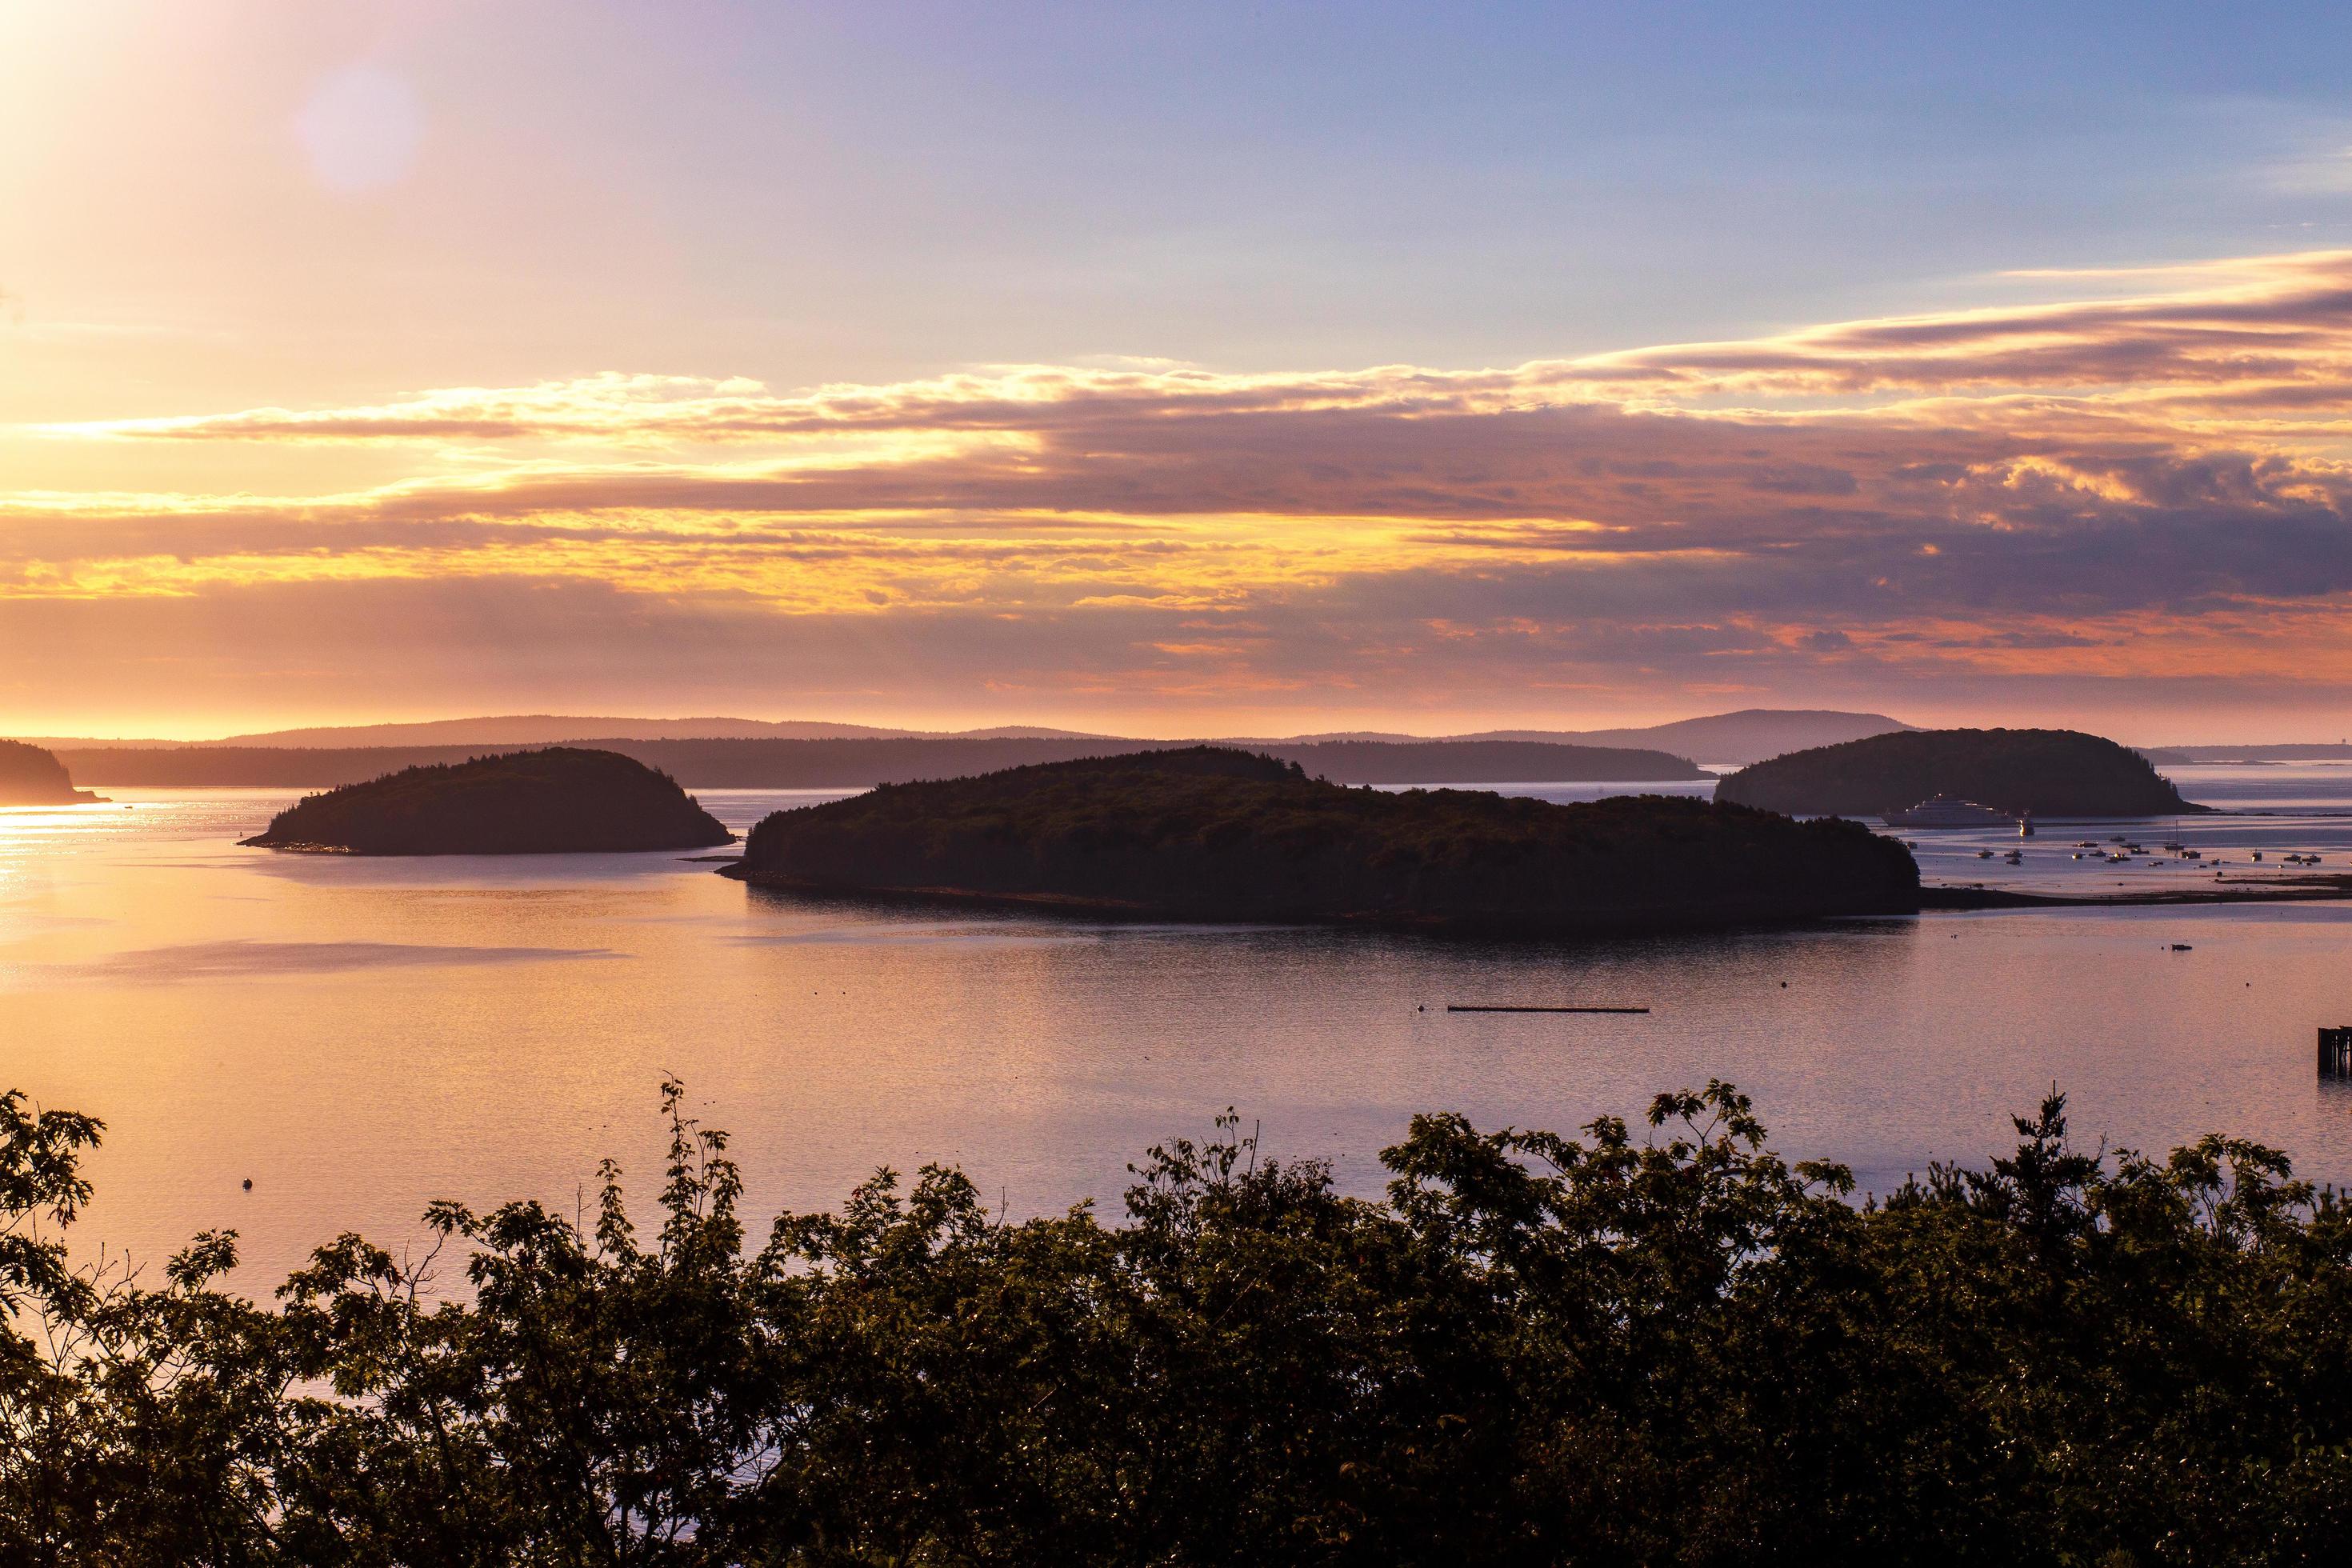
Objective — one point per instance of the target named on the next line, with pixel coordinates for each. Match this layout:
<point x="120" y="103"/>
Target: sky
<point x="1174" y="368"/>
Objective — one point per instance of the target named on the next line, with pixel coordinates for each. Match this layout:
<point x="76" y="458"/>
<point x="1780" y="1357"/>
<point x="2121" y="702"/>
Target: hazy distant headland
<point x="858" y="764"/>
<point x="557" y="800"/>
<point x="1746" y="736"/>
<point x="2050" y="772"/>
<point x="750" y="753"/>
<point x="1217" y="834"/>
<point x="2293" y="751"/>
<point x="1750" y="735"/>
<point x="32" y="776"/>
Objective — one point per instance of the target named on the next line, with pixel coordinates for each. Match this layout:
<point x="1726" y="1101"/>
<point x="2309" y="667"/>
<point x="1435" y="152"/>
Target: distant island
<point x="859" y="762"/>
<point x="2293" y="751"/>
<point x="2050" y="772"/>
<point x="1216" y="834"/>
<point x="31" y="776"/>
<point x="1749" y="735"/>
<point x="1482" y="762"/>
<point x="1746" y="736"/>
<point x="525" y="803"/>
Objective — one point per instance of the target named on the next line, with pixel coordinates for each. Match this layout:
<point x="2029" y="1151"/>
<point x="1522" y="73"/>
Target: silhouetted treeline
<point x="1658" y="1345"/>
<point x="31" y="776"/>
<point x="1213" y="833"/>
<point x="2053" y="772"/>
<point x="552" y="800"/>
<point x="857" y="763"/>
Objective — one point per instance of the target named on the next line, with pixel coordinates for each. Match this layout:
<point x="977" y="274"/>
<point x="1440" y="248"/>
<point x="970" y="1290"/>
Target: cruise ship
<point x="1944" y="812"/>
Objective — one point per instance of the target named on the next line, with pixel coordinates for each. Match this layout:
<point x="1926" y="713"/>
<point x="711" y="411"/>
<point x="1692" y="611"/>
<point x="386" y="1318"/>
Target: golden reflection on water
<point x="360" y="1036"/>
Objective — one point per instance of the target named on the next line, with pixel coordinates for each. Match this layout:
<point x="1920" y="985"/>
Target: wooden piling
<point x="2336" y="1052"/>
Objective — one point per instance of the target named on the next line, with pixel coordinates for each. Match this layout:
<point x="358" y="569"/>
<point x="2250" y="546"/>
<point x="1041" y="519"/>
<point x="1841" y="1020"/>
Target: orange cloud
<point x="2142" y="492"/>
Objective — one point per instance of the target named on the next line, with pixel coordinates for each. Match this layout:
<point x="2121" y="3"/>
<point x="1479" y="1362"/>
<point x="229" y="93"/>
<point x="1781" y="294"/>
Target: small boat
<point x="2182" y="947"/>
<point x="1943" y="811"/>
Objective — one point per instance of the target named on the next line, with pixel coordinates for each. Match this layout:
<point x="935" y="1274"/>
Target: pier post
<point x="2336" y="1052"/>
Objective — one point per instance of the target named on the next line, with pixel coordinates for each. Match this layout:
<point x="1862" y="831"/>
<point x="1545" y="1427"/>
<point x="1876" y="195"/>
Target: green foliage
<point x="1661" y="1345"/>
<point x="2055" y="773"/>
<point x="555" y="799"/>
<point x="1218" y="833"/>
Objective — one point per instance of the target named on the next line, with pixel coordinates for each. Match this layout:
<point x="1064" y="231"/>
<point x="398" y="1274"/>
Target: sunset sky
<point x="1175" y="368"/>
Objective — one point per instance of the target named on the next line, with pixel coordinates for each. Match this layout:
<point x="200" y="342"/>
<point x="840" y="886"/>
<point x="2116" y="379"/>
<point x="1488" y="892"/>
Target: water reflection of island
<point x="1216" y="834"/>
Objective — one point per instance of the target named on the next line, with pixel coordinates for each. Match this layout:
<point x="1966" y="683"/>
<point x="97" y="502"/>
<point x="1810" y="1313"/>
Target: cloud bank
<point x="2136" y="501"/>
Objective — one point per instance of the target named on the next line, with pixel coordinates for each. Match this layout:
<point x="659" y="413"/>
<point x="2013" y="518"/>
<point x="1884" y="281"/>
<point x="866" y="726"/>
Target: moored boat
<point x="1943" y="811"/>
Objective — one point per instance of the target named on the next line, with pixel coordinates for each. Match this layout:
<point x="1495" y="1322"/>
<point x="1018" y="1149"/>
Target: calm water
<point x="359" y="1036"/>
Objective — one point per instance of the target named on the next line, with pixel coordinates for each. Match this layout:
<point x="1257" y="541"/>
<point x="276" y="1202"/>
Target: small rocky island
<point x="1216" y="834"/>
<point x="2050" y="773"/>
<point x="31" y="776"/>
<point x="561" y="799"/>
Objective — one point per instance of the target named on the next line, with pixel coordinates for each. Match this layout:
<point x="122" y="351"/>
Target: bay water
<point x="359" y="1036"/>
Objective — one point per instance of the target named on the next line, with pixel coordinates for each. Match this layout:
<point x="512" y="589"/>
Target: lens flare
<point x="360" y="129"/>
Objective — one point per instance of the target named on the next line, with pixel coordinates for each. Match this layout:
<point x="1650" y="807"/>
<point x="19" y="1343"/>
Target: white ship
<point x="1944" y="812"/>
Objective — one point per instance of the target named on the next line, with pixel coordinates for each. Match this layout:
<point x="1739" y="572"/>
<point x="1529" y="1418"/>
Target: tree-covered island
<point x="31" y="776"/>
<point x="2050" y="773"/>
<point x="1214" y="834"/>
<point x="559" y="799"/>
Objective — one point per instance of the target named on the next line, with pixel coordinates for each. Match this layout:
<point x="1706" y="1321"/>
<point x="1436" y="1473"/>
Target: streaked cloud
<point x="2142" y="494"/>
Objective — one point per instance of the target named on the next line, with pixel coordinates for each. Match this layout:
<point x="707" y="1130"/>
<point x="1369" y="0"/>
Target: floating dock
<point x="1463" y="1007"/>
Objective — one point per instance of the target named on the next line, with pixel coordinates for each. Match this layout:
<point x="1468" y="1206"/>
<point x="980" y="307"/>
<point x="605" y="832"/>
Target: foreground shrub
<point x="1665" y="1348"/>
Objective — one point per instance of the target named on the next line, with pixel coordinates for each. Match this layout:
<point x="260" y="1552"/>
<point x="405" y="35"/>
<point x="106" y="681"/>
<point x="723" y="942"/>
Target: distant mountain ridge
<point x="863" y="761"/>
<point x="2311" y="752"/>
<point x="1749" y="735"/>
<point x="546" y="729"/>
